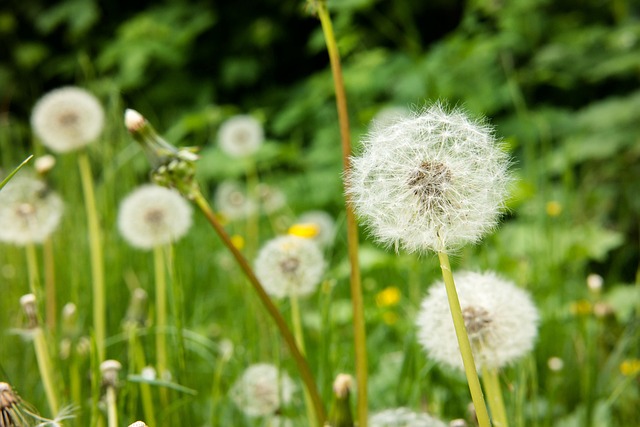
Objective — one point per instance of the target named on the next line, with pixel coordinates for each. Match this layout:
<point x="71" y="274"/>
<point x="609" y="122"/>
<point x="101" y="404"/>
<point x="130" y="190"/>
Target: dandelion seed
<point x="434" y="181"/>
<point x="501" y="320"/>
<point x="29" y="211"/>
<point x="325" y="224"/>
<point x="262" y="390"/>
<point x="232" y="202"/>
<point x="403" y="417"/>
<point x="290" y="265"/>
<point x="68" y="118"/>
<point x="240" y="136"/>
<point x="152" y="216"/>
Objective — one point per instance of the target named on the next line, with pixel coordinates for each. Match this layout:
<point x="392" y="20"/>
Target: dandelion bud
<point x="403" y="417"/>
<point x="11" y="412"/>
<point x="340" y="415"/>
<point x="110" y="369"/>
<point x="133" y="120"/>
<point x="458" y="423"/>
<point x="149" y="373"/>
<point x="29" y="306"/>
<point x="594" y="283"/>
<point x="436" y="180"/>
<point x="44" y="164"/>
<point x="138" y="424"/>
<point x="501" y="320"/>
<point x="555" y="364"/>
<point x="69" y="320"/>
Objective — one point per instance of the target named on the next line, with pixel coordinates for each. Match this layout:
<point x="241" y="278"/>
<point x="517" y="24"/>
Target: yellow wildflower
<point x="581" y="307"/>
<point x="238" y="241"/>
<point x="308" y="231"/>
<point x="388" y="297"/>
<point x="630" y="367"/>
<point x="554" y="208"/>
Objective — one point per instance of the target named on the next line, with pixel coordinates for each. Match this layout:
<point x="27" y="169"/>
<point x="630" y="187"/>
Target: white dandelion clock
<point x="501" y="320"/>
<point x="240" y="136"/>
<point x="403" y="417"/>
<point x="29" y="211"/>
<point x="68" y="118"/>
<point x="325" y="224"/>
<point x="262" y="390"/>
<point x="272" y="199"/>
<point x="232" y="202"/>
<point x="435" y="180"/>
<point x="152" y="216"/>
<point x="290" y="266"/>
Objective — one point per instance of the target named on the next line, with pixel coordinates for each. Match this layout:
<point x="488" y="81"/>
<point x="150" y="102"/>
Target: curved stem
<point x="491" y="383"/>
<point x="301" y="362"/>
<point x="359" y="332"/>
<point x="95" y="249"/>
<point x="463" y="343"/>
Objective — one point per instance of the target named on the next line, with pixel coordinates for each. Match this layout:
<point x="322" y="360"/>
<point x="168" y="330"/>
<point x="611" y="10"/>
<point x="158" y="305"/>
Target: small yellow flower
<point x="307" y="231"/>
<point x="238" y="241"/>
<point x="554" y="208"/>
<point x="581" y="307"/>
<point x="630" y="367"/>
<point x="389" y="296"/>
<point x="390" y="318"/>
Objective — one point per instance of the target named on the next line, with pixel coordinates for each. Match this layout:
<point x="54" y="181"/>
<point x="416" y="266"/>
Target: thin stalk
<point x="46" y="369"/>
<point x="215" y="390"/>
<point x="301" y="362"/>
<point x="32" y="267"/>
<point x="49" y="286"/>
<point x="491" y="382"/>
<point x="359" y="332"/>
<point x="139" y="363"/>
<point x="161" y="311"/>
<point x="13" y="172"/>
<point x="296" y="320"/>
<point x="96" y="253"/>
<point x="112" y="408"/>
<point x="463" y="343"/>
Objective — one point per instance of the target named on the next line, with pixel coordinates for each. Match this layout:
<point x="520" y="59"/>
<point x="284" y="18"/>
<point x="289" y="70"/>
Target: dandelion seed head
<point x="290" y="265"/>
<point x="232" y="202"/>
<point x="325" y="224"/>
<point x="67" y="118"/>
<point x="240" y="136"/>
<point x="501" y="321"/>
<point x="262" y="390"/>
<point x="403" y="417"/>
<point x="29" y="211"/>
<point x="272" y="199"/>
<point x="152" y="216"/>
<point x="434" y="180"/>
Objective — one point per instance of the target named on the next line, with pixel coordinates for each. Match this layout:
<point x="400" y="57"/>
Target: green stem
<point x="463" y="342"/>
<point x="32" y="266"/>
<point x="95" y="249"/>
<point x="301" y="362"/>
<point x="139" y="363"/>
<point x="296" y="320"/>
<point x="491" y="382"/>
<point x="46" y="369"/>
<point x="359" y="332"/>
<point x="49" y="286"/>
<point x="112" y="408"/>
<point x="161" y="311"/>
<point x="8" y="178"/>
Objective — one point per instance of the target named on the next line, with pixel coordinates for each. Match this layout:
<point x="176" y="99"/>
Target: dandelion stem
<point x="285" y="332"/>
<point x="296" y="320"/>
<point x="161" y="312"/>
<point x="49" y="285"/>
<point x="139" y="363"/>
<point x="32" y="266"/>
<point x="463" y="342"/>
<point x="95" y="248"/>
<point x="352" y="227"/>
<point x="46" y="370"/>
<point x="112" y="409"/>
<point x="13" y="172"/>
<point x="491" y="383"/>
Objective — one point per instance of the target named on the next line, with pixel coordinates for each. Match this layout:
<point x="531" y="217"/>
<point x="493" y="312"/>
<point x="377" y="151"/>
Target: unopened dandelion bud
<point x="44" y="164"/>
<point x="458" y="423"/>
<point x="594" y="283"/>
<point x="138" y="424"/>
<point x="149" y="373"/>
<point x="137" y="311"/>
<point x="110" y="369"/>
<point x="69" y="320"/>
<point x="83" y="348"/>
<point x="340" y="415"/>
<point x="555" y="364"/>
<point x="11" y="413"/>
<point x="30" y="309"/>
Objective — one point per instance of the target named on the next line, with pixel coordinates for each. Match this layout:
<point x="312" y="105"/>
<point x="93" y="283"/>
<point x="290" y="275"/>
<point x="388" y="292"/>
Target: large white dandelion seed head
<point x="403" y="417"/>
<point x="434" y="180"/>
<point x="232" y="201"/>
<point x="501" y="321"/>
<point x="325" y="224"/>
<point x="29" y="211"/>
<point x="290" y="265"/>
<point x="152" y="216"/>
<point x="240" y="136"/>
<point x="67" y="118"/>
<point x="262" y="390"/>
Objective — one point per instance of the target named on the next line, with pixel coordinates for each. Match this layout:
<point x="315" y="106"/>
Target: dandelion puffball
<point x="29" y="211"/>
<point x="232" y="201"/>
<point x="290" y="265"/>
<point x="262" y="390"/>
<point x="152" y="216"/>
<point x="501" y="320"/>
<point x="434" y="180"/>
<point x="240" y="136"/>
<point x="403" y="417"/>
<point x="67" y="118"/>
